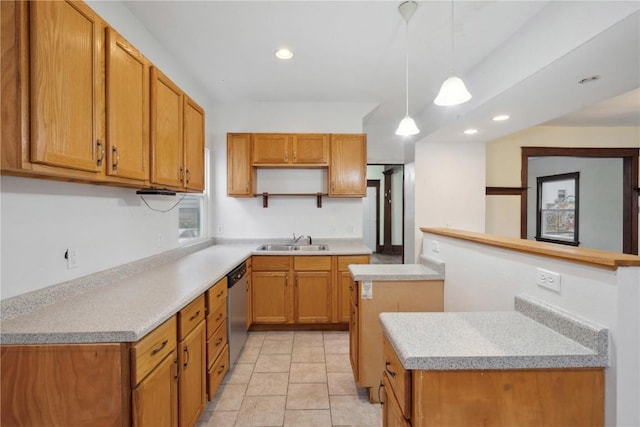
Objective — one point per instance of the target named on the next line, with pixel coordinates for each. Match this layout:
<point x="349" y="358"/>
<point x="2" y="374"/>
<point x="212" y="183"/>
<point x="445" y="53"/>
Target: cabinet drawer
<point x="190" y="316"/>
<point x="271" y="263"/>
<point x="399" y="378"/>
<point x="217" y="295"/>
<point x="216" y="343"/>
<point x="312" y="263"/>
<point x="216" y="373"/>
<point x="391" y="413"/>
<point x="344" y="261"/>
<point x="147" y="353"/>
<point x="215" y="319"/>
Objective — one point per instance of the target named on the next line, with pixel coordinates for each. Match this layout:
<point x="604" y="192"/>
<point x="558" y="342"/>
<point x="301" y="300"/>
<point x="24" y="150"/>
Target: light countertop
<point x="125" y="309"/>
<point x="393" y="272"/>
<point x="495" y="340"/>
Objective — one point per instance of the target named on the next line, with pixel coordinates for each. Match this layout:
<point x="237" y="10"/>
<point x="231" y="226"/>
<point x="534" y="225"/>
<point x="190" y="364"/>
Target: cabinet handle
<point x="116" y="158"/>
<point x="380" y="387"/>
<point x="219" y="342"/>
<point x="181" y="174"/>
<point x="219" y="317"/>
<point x="189" y="178"/>
<point x="296" y="280"/>
<point x="159" y="349"/>
<point x="186" y="360"/>
<point x="177" y="365"/>
<point x="286" y="279"/>
<point x="246" y="188"/>
<point x="101" y="150"/>
<point x="220" y="294"/>
<point x="389" y="371"/>
<point x="221" y="370"/>
<point x="286" y="156"/>
<point x="197" y="313"/>
<point x="295" y="156"/>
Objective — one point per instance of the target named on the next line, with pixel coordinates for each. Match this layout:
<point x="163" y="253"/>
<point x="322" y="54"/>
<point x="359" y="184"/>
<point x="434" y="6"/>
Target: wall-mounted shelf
<point x="265" y="197"/>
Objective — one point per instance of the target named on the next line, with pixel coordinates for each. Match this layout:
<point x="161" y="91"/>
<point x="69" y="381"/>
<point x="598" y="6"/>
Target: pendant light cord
<point x="452" y="47"/>
<point x="406" y="80"/>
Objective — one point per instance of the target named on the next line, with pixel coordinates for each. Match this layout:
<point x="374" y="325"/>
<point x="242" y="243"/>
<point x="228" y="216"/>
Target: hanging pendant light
<point x="453" y="90"/>
<point x="407" y="125"/>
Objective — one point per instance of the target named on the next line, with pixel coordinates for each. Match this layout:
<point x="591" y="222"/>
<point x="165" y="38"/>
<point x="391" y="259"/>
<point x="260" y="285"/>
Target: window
<point x="192" y="210"/>
<point x="557" y="220"/>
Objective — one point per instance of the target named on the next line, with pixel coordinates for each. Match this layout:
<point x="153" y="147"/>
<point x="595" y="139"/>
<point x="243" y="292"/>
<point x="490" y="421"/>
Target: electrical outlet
<point x="72" y="258"/>
<point x="435" y="246"/>
<point x="548" y="279"/>
<point x="220" y="229"/>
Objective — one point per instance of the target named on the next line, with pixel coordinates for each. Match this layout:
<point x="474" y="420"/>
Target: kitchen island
<point x="494" y="368"/>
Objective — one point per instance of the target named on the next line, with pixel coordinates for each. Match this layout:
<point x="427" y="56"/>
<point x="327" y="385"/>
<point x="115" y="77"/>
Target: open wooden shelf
<point x="265" y="197"/>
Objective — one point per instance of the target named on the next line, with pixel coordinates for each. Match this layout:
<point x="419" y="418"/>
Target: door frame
<point x="375" y="183"/>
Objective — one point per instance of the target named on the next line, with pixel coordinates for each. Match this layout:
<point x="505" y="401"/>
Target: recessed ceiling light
<point x="284" y="53"/>
<point x="471" y="131"/>
<point x="500" y="118"/>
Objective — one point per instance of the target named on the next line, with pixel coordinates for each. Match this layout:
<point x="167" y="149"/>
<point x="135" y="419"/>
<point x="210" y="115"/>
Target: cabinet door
<point x="392" y="415"/>
<point x="155" y="399"/>
<point x="193" y="144"/>
<point x="192" y="382"/>
<point x="270" y="299"/>
<point x="240" y="173"/>
<point x="311" y="149"/>
<point x="166" y="131"/>
<point x="249" y="300"/>
<point x="347" y="170"/>
<point x="66" y="85"/>
<point x="313" y="296"/>
<point x="271" y="149"/>
<point x="127" y="109"/>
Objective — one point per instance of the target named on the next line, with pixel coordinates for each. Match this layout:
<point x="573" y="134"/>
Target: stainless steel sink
<point x="285" y="248"/>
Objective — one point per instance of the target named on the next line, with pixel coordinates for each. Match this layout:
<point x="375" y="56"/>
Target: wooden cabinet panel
<point x="311" y="149"/>
<point x="345" y="260"/>
<point x="392" y="415"/>
<point x="241" y="176"/>
<point x="347" y="170"/>
<point x="155" y="400"/>
<point x="150" y="350"/>
<point x="127" y="80"/>
<point x="344" y="284"/>
<point x="65" y="385"/>
<point x="216" y="295"/>
<point x="190" y="316"/>
<point x="354" y="339"/>
<point x="271" y="149"/>
<point x="271" y="263"/>
<point x="193" y="145"/>
<point x="399" y="378"/>
<point x="216" y="373"/>
<point x="166" y="131"/>
<point x="216" y="343"/>
<point x="312" y="263"/>
<point x="313" y="296"/>
<point x="249" y="303"/>
<point x="192" y="382"/>
<point x="271" y="296"/>
<point x="67" y="105"/>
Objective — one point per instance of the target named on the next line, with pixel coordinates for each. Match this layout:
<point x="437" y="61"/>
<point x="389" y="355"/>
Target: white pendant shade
<point x="452" y="92"/>
<point x="407" y="127"/>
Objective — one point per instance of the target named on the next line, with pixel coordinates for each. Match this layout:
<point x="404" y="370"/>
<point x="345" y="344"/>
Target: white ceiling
<point x="522" y="58"/>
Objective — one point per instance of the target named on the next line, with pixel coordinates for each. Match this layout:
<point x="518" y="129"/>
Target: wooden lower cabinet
<point x="517" y="397"/>
<point x="217" y="363"/>
<point x="310" y="290"/>
<point x="365" y="332"/>
<point x="192" y="382"/>
<point x="155" y="399"/>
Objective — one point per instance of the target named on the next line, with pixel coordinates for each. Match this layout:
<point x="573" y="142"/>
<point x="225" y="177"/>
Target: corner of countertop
<point x="582" y="331"/>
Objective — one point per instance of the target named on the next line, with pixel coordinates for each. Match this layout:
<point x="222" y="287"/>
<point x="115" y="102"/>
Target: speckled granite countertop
<point x="384" y="272"/>
<point x="124" y="307"/>
<point x="496" y="340"/>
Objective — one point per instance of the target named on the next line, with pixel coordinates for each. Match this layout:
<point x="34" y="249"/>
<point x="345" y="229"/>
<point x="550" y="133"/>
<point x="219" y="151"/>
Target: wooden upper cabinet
<point x="193" y="145"/>
<point x="272" y="149"/>
<point x="67" y="104"/>
<point x="240" y="174"/>
<point x="347" y="170"/>
<point x="166" y="131"/>
<point x="127" y="109"/>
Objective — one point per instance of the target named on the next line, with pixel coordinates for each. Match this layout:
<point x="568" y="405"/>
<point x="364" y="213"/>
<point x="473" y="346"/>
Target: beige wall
<point x="503" y="159"/>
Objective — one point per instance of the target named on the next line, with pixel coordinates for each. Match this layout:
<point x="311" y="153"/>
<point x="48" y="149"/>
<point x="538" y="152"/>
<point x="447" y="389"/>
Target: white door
<point x="369" y="221"/>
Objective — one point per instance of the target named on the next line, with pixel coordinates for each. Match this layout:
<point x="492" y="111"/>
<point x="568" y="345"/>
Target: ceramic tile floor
<point x="292" y="379"/>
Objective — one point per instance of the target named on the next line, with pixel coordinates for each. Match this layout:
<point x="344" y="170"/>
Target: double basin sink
<point x="285" y="248"/>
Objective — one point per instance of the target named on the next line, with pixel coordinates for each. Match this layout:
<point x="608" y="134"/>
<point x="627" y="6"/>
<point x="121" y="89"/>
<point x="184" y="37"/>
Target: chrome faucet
<point x="295" y="239"/>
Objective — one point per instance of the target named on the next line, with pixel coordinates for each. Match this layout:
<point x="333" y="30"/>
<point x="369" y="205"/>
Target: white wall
<point x="108" y="226"/>
<point x="449" y="188"/>
<point x="245" y="217"/>
<point x="483" y="278"/>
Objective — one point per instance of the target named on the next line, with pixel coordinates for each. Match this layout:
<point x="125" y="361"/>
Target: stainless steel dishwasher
<point x="236" y="311"/>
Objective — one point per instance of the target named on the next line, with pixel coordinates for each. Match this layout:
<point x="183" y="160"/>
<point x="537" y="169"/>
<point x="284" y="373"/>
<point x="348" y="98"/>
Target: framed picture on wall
<point x="557" y="207"/>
